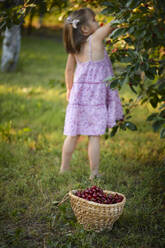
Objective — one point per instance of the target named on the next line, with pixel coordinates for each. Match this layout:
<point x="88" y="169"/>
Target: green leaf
<point x="114" y="22"/>
<point x="27" y="129"/>
<point x="160" y="70"/>
<point x="154" y="101"/>
<point x="128" y="117"/>
<point x="106" y="136"/>
<point x="150" y="75"/>
<point x="157" y="125"/>
<point x="122" y="126"/>
<point x="133" y="89"/>
<point x="131" y="30"/>
<point x="107" y="11"/>
<point x="161" y="84"/>
<point x="128" y="40"/>
<point x="127" y="110"/>
<point x="117" y="32"/>
<point x="129" y="3"/>
<point x="114" y="130"/>
<point x="153" y="70"/>
<point x="144" y="66"/>
<point x="114" y="83"/>
<point x="132" y="4"/>
<point x="109" y="78"/>
<point x="130" y="125"/>
<point x="124" y="81"/>
<point x="107" y="3"/>
<point x="125" y="59"/>
<point x="162" y="133"/>
<point x="132" y="53"/>
<point x="152" y="117"/>
<point x="31" y="5"/>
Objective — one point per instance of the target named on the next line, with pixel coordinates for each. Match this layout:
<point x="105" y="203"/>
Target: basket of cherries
<point x="97" y="209"/>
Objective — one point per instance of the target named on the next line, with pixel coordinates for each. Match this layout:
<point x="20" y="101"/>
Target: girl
<point x="92" y="106"/>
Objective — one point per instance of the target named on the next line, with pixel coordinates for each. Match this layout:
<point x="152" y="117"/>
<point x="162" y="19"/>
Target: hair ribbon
<point x="74" y="22"/>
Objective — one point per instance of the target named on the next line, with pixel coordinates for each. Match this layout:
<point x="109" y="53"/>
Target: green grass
<point x="32" y="103"/>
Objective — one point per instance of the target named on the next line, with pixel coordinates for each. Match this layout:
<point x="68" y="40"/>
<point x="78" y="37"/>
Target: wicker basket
<point x="96" y="216"/>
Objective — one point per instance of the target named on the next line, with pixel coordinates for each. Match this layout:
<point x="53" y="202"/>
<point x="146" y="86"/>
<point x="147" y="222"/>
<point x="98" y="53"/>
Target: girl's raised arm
<point x="102" y="32"/>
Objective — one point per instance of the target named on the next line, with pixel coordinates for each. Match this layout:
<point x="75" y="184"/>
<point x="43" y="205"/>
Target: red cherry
<point x="114" y="50"/>
<point x="96" y="194"/>
<point x="108" y="42"/>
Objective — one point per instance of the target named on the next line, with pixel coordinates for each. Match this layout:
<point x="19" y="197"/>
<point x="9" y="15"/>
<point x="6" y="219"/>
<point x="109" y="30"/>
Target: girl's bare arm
<point x="102" y="32"/>
<point x="69" y="71"/>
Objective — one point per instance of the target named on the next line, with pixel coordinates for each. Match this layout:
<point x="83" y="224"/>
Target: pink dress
<point x="92" y="105"/>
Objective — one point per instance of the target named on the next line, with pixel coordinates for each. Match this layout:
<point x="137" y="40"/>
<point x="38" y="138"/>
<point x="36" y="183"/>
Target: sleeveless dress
<point x="92" y="105"/>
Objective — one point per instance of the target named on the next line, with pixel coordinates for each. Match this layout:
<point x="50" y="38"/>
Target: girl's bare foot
<point x="62" y="171"/>
<point x="93" y="176"/>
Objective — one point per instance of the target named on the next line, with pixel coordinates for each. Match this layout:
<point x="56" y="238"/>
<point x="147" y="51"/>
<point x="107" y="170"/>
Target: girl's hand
<point x="68" y="94"/>
<point x="102" y="32"/>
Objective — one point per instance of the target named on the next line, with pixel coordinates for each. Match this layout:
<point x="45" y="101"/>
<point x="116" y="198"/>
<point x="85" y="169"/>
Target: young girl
<point x="92" y="106"/>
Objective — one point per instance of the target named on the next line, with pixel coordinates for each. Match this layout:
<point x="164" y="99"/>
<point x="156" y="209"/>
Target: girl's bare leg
<point x="94" y="155"/>
<point x="68" y="148"/>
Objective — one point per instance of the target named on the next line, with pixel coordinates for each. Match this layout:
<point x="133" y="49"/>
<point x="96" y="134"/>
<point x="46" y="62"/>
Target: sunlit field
<point x="32" y="112"/>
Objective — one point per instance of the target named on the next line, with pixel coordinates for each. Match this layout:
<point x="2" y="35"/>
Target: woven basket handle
<point x="65" y="198"/>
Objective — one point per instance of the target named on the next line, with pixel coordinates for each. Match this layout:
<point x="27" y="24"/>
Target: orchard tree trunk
<point x="40" y="21"/>
<point x="11" y="48"/>
<point x="29" y="28"/>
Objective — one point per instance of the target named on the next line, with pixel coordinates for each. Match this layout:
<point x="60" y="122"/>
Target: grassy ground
<point x="32" y="103"/>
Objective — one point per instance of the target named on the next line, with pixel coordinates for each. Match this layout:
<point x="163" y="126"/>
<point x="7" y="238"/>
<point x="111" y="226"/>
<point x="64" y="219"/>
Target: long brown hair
<point x="73" y="37"/>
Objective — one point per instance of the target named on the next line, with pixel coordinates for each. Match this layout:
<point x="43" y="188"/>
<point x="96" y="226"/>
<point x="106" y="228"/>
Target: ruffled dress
<point x="92" y="105"/>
